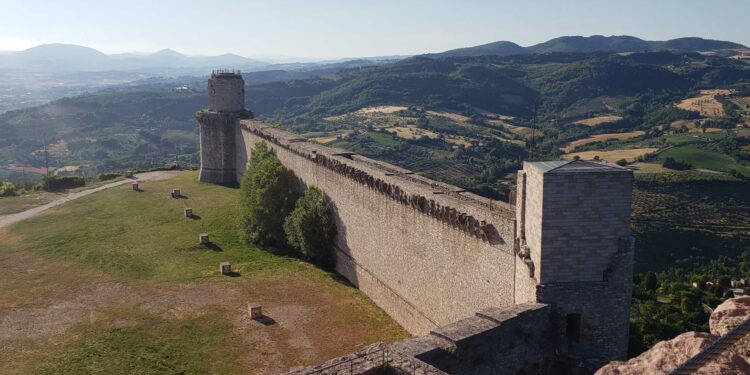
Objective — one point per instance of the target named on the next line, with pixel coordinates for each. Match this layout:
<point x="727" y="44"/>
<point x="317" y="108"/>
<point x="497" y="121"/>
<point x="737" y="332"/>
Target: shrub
<point x="7" y="189"/>
<point x="108" y="176"/>
<point x="671" y="163"/>
<point x="622" y="162"/>
<point x="310" y="227"/>
<point x="53" y="183"/>
<point x="267" y="197"/>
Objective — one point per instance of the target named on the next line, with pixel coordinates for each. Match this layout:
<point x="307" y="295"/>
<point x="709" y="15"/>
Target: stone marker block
<point x="189" y="213"/>
<point x="254" y="310"/>
<point x="176" y="193"/>
<point x="225" y="268"/>
<point x="204" y="238"/>
<point x="129" y="174"/>
<point x="135" y="186"/>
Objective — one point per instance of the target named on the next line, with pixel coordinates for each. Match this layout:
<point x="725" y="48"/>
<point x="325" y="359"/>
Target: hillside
<point x="594" y="43"/>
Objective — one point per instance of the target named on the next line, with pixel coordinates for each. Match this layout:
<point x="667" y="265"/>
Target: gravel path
<point x="6" y="220"/>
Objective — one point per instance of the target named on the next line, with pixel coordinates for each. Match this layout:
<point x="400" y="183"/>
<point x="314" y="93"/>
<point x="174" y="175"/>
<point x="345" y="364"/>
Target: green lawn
<point x="678" y="139"/>
<point x="128" y="290"/>
<point x="705" y="159"/>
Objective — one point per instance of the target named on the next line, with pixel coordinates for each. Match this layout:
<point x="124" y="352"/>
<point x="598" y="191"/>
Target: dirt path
<point x="6" y="220"/>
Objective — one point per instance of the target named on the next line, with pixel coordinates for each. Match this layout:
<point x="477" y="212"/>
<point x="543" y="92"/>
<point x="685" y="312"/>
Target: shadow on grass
<point x="265" y="320"/>
<point x="233" y="274"/>
<point x="194" y="217"/>
<point x="213" y="247"/>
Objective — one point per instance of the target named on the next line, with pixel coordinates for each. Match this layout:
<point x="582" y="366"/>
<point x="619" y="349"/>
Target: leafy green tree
<point x="310" y="227"/>
<point x="7" y="189"/>
<point x="267" y="196"/>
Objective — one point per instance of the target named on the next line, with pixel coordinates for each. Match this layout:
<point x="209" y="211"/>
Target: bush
<point x="310" y="227"/>
<point x="671" y="163"/>
<point x="53" y="183"/>
<point x="7" y="189"/>
<point x="622" y="162"/>
<point x="108" y="176"/>
<point x="267" y="197"/>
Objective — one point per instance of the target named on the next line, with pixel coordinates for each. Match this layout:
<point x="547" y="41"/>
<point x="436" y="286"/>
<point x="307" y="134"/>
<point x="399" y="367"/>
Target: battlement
<point x="226" y="73"/>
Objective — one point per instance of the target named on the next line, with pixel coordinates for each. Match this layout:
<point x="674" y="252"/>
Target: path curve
<point x="6" y="220"/>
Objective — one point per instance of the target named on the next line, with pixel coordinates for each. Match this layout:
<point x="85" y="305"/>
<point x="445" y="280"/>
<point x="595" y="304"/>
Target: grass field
<point x="570" y="146"/>
<point x="116" y="283"/>
<point x="705" y="159"/>
<point x="678" y="139"/>
<point x="611" y="156"/>
<point x="31" y="199"/>
<point x="594" y="121"/>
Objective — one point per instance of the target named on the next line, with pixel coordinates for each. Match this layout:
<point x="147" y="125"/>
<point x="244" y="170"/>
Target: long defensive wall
<point x="431" y="254"/>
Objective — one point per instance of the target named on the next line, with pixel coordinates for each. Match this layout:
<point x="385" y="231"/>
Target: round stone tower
<point x="218" y="125"/>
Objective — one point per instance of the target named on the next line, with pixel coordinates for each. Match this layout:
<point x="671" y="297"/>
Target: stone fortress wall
<point x="431" y="254"/>
<point x="415" y="246"/>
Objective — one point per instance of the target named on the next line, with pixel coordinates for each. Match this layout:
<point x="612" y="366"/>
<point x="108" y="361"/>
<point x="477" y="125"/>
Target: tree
<point x="267" y="196"/>
<point x="310" y="227"/>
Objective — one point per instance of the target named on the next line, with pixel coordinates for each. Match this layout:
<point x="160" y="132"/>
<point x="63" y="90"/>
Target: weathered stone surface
<point x="225" y="268"/>
<point x="255" y="310"/>
<point x="188" y="212"/>
<point x="203" y="238"/>
<point x="729" y="315"/>
<point x="668" y="355"/>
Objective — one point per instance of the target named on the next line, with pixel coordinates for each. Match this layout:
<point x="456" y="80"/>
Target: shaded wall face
<point x="421" y="271"/>
<point x="578" y="230"/>
<point x="217" y="147"/>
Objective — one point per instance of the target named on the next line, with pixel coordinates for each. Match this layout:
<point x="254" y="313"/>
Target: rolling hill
<point x="594" y="43"/>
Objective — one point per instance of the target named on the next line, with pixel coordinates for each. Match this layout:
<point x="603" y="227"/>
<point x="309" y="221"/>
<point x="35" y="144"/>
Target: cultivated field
<point x="706" y="103"/>
<point x="611" y="156"/>
<point x="569" y="147"/>
<point x="116" y="283"/>
<point x="594" y="121"/>
<point x="705" y="159"/>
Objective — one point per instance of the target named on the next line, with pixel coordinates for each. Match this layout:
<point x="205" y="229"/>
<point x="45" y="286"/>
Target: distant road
<point x="6" y="220"/>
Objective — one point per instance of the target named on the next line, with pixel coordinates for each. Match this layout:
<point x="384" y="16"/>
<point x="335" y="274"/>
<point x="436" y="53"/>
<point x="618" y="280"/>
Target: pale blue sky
<point x="339" y="28"/>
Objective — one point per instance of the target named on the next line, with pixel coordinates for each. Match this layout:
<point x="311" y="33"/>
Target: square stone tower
<point x="226" y="105"/>
<point x="575" y="251"/>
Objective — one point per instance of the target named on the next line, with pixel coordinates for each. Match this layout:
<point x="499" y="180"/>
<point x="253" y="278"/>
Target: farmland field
<point x="611" y="156"/>
<point x="705" y="159"/>
<point x="706" y="103"/>
<point x="594" y="121"/>
<point x="570" y="146"/>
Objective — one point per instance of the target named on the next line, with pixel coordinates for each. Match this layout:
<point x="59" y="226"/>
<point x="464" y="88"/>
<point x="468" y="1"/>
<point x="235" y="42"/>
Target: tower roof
<point x="575" y="166"/>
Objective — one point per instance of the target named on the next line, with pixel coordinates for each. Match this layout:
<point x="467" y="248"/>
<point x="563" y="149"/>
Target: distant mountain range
<point x="69" y="57"/>
<point x="594" y="43"/>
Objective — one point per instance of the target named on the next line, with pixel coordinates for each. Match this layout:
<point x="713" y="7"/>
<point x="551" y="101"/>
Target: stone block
<point x="135" y="186"/>
<point x="176" y="193"/>
<point x="204" y="238"/>
<point x="225" y="268"/>
<point x="189" y="213"/>
<point x="255" y="310"/>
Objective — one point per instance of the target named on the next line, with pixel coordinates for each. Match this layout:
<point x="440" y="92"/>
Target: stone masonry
<point x="431" y="254"/>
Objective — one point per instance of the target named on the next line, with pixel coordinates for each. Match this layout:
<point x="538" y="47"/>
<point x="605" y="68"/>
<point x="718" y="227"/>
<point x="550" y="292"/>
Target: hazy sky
<point x="340" y="28"/>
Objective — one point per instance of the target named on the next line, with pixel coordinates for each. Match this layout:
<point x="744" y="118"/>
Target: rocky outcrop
<point x="729" y="315"/>
<point x="666" y="356"/>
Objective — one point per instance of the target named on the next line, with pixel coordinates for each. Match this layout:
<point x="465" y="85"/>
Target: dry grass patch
<point x="569" y="147"/>
<point x="706" y="103"/>
<point x="611" y="156"/>
<point x="382" y="109"/>
<point x="594" y="121"/>
<point x="450" y="116"/>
